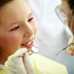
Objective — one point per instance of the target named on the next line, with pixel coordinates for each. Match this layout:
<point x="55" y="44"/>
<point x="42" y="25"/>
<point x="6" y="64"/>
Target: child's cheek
<point x="11" y="41"/>
<point x="14" y="40"/>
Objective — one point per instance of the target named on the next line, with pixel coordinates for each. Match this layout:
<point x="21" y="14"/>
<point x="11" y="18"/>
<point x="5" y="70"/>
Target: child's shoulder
<point x="44" y="65"/>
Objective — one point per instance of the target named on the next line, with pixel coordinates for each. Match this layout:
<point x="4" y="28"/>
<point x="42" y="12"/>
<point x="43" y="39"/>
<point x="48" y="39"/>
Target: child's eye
<point x="15" y="28"/>
<point x="30" y="19"/>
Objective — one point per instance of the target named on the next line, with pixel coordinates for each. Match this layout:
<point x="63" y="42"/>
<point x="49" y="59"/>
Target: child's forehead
<point x="17" y="4"/>
<point x="17" y="9"/>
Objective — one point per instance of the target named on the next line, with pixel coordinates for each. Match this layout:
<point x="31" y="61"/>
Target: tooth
<point x="29" y="43"/>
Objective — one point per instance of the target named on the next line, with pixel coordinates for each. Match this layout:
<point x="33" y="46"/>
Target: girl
<point x="17" y="28"/>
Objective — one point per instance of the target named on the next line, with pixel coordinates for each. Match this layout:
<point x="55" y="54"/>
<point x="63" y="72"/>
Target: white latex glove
<point x="19" y="62"/>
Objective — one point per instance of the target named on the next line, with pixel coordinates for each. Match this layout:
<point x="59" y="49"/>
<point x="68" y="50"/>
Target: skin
<point x="17" y="28"/>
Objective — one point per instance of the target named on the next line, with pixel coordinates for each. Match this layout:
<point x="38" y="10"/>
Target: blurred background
<point x="53" y="35"/>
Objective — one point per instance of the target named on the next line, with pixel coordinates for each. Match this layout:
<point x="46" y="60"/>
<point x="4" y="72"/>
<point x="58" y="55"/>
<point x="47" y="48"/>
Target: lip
<point x="28" y="44"/>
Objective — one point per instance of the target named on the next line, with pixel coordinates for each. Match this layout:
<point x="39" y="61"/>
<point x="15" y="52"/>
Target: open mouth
<point x="27" y="44"/>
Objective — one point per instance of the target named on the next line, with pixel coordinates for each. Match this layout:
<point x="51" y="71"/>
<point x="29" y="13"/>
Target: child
<point x="18" y="31"/>
<point x="17" y="27"/>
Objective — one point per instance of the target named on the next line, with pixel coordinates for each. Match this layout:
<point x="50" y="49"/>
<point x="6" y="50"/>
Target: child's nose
<point x="28" y="30"/>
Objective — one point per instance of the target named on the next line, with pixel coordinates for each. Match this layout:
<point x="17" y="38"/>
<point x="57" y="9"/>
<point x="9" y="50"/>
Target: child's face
<point x="17" y="26"/>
